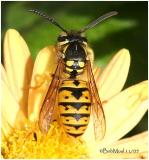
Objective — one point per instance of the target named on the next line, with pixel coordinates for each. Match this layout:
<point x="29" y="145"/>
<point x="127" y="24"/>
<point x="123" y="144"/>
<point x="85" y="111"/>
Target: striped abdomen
<point x="74" y="105"/>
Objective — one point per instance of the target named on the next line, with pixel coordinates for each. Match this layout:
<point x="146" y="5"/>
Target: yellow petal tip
<point x="124" y="52"/>
<point x="12" y="31"/>
<point x="116" y="71"/>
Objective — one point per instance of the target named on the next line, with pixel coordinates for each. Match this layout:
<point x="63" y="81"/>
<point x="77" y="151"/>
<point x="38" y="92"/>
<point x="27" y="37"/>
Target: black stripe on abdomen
<point x="74" y="135"/>
<point x="76" y="92"/>
<point x="76" y="126"/>
<point x="76" y="105"/>
<point x="76" y="116"/>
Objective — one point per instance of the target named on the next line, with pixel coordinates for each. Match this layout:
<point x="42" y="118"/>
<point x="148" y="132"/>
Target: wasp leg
<point x="35" y="136"/>
<point x="39" y="80"/>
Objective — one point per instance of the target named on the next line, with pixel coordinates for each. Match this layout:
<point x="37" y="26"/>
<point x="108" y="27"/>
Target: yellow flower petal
<point x="4" y="76"/>
<point x="42" y="74"/>
<point x="11" y="113"/>
<point x="18" y="65"/>
<point x="6" y="81"/>
<point x="138" y="142"/>
<point x="5" y="127"/>
<point x="124" y="111"/>
<point x="132" y="147"/>
<point x="90" y="140"/>
<point x="114" y="75"/>
<point x="96" y="72"/>
<point x="140" y="155"/>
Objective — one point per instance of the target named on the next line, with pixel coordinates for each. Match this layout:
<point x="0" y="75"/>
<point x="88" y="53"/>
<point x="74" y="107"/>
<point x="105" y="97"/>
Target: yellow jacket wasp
<point x="75" y="96"/>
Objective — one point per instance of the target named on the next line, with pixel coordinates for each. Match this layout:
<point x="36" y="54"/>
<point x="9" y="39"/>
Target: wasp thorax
<point x="75" y="58"/>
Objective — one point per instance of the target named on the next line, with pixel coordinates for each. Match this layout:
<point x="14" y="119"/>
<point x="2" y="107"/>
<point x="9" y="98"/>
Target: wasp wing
<point x="49" y="104"/>
<point x="96" y="109"/>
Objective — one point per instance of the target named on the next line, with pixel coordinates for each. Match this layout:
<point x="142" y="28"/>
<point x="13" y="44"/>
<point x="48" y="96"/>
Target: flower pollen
<point x="33" y="144"/>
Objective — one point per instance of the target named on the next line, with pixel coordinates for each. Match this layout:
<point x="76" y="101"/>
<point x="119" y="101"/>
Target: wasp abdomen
<point x="74" y="105"/>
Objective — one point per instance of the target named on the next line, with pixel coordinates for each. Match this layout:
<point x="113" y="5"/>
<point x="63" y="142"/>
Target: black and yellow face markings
<point x="74" y="105"/>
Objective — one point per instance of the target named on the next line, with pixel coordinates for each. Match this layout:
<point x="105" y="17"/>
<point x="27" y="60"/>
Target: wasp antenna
<point x="98" y="20"/>
<point x="50" y="19"/>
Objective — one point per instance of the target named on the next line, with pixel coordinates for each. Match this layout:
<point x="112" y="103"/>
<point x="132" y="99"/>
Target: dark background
<point x="128" y="30"/>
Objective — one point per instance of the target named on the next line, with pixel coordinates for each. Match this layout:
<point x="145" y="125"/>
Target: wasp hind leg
<point x="41" y="79"/>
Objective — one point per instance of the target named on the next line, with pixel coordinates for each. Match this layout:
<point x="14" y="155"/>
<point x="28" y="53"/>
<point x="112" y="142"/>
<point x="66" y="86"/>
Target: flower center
<point x="31" y="143"/>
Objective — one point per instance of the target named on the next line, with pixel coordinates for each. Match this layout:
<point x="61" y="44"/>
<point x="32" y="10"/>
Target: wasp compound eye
<point x="62" y="38"/>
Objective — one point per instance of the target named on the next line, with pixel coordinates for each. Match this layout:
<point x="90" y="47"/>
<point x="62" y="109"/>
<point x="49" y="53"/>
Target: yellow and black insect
<point x="73" y="88"/>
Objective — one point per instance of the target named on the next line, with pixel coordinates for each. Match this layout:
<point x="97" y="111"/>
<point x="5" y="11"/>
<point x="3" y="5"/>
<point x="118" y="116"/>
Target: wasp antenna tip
<point x="31" y="10"/>
<point x="115" y="12"/>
